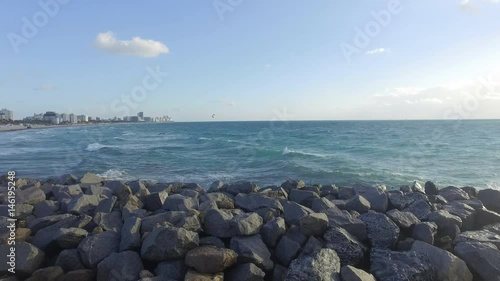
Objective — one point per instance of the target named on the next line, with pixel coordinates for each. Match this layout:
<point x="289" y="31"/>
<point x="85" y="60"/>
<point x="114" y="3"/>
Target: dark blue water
<point x="341" y="152"/>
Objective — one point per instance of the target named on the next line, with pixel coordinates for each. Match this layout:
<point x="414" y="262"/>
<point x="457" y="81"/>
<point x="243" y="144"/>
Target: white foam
<point x="96" y="146"/>
<point x="203" y="138"/>
<point x="113" y="174"/>
<point x="291" y="151"/>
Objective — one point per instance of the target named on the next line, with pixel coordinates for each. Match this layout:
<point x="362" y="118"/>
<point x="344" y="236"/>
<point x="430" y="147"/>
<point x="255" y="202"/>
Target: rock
<point x="245" y="272"/>
<point x="302" y="197"/>
<point x="294" y="211"/>
<point x="48" y="273"/>
<point x="495" y="228"/>
<point x="80" y="275"/>
<point x="483" y="259"/>
<point x="321" y="204"/>
<point x="425" y="231"/>
<point x="430" y="188"/>
<point x="452" y="193"/>
<point x="287" y="250"/>
<point x="256" y="201"/>
<point x="46" y="208"/>
<point x="192" y="275"/>
<point x="375" y="195"/>
<point x="148" y="223"/>
<point x="485" y="217"/>
<point x="191" y="223"/>
<point x="22" y="234"/>
<point x="252" y="249"/>
<point x="485" y="236"/>
<point x="474" y="203"/>
<point x="222" y="200"/>
<point x="348" y="248"/>
<point x="124" y="266"/>
<point x="294" y="233"/>
<point x="179" y="202"/>
<point x="416" y="187"/>
<point x="168" y="243"/>
<point x="470" y="190"/>
<point x="314" y="224"/>
<point x="69" y="260"/>
<point x="146" y="274"/>
<point x="444" y="219"/>
<point x="174" y="270"/>
<point x="95" y="248"/>
<point x="90" y="178"/>
<point x="241" y="187"/>
<point x="84" y="204"/>
<point x="106" y="205"/>
<point x="420" y="208"/>
<point x="272" y="231"/>
<point x="217" y="223"/>
<point x="382" y="231"/>
<point x="130" y="235"/>
<point x="279" y="273"/>
<point x="405" y="245"/>
<point x="155" y="201"/>
<point x="136" y="186"/>
<point x="292" y="184"/>
<point x="410" y="265"/>
<point x="45" y="237"/>
<point x="211" y="241"/>
<point x="402" y="219"/>
<point x="67" y="179"/>
<point x="350" y="273"/>
<point x="246" y="224"/>
<point x="28" y="258"/>
<point x="490" y="199"/>
<point x="322" y="265"/>
<point x="465" y="212"/>
<point x="109" y="221"/>
<point x="23" y="211"/>
<point x="216" y="186"/>
<point x="69" y="238"/>
<point x="209" y="259"/>
<point x="345" y="193"/>
<point x="359" y="204"/>
<point x="344" y="219"/>
<point x="402" y="200"/>
<point x="37" y="224"/>
<point x="120" y="190"/>
<point x="268" y="214"/>
<point x="448" y="266"/>
<point x="31" y="195"/>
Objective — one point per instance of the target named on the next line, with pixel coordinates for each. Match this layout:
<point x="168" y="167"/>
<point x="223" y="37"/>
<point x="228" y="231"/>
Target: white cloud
<point x="376" y="51"/>
<point x="44" y="87"/>
<point x="135" y="47"/>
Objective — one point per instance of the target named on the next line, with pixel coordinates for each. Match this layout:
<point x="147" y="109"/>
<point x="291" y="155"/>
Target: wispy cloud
<point x="376" y="51"/>
<point x="225" y="101"/>
<point x="44" y="87"/>
<point x="135" y="47"/>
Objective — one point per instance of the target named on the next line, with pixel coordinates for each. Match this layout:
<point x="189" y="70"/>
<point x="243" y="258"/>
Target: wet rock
<point x="449" y="267"/>
<point x="294" y="211"/>
<point x="28" y="258"/>
<point x="252" y="249"/>
<point x="350" y="273"/>
<point x="375" y="195"/>
<point x="241" y="187"/>
<point x="402" y="219"/>
<point x="490" y="199"/>
<point x="287" y="250"/>
<point x="314" y="224"/>
<point x="425" y="231"/>
<point x="69" y="260"/>
<point x="256" y="201"/>
<point x="348" y="248"/>
<point x="483" y="259"/>
<point x="124" y="266"/>
<point x="245" y="272"/>
<point x="410" y="265"/>
<point x="359" y="204"/>
<point x="95" y="248"/>
<point x="209" y="259"/>
<point x="382" y="231"/>
<point x="168" y="243"/>
<point x="246" y="224"/>
<point x="179" y="202"/>
<point x="130" y="235"/>
<point x="430" y="188"/>
<point x="452" y="193"/>
<point x="321" y="265"/>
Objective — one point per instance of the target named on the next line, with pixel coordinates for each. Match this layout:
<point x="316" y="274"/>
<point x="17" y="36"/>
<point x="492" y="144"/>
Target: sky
<point x="252" y="60"/>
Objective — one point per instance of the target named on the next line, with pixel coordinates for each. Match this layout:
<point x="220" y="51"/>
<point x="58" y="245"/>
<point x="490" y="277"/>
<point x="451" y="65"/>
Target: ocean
<point x="394" y="153"/>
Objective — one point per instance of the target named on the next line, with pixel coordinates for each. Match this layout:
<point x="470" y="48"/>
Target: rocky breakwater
<point x="81" y="229"/>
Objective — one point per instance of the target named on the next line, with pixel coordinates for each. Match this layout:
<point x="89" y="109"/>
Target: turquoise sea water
<point x="342" y="152"/>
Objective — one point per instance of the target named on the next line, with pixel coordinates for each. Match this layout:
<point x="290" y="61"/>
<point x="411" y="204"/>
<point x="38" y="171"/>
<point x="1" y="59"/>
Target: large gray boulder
<point x="359" y="204"/>
<point x="401" y="266"/>
<point x="106" y="205"/>
<point x="490" y="199"/>
<point x="350" y="273"/>
<point x="218" y="223"/>
<point x="97" y="247"/>
<point x="287" y="250"/>
<point x="320" y="265"/>
<point x="210" y="259"/>
<point x="483" y="259"/>
<point x="321" y="204"/>
<point x="483" y="235"/>
<point x="69" y="260"/>
<point x="424" y="231"/>
<point x="375" y="195"/>
<point x="155" y="201"/>
<point x="179" y="202"/>
<point x="452" y="193"/>
<point x="131" y="234"/>
<point x="246" y="224"/>
<point x="45" y="208"/>
<point x="28" y="259"/>
<point x="46" y="237"/>
<point x="465" y="212"/>
<point x="193" y="275"/>
<point x="444" y="219"/>
<point x="124" y="266"/>
<point x="244" y="272"/>
<point x="168" y="243"/>
<point x="252" y="249"/>
<point x="48" y="273"/>
<point x="294" y="211"/>
<point x="382" y="231"/>
<point x="30" y="195"/>
<point x="348" y="248"/>
<point x="272" y="231"/>
<point x="292" y="184"/>
<point x="172" y="270"/>
<point x="430" y="188"/>
<point x="449" y="267"/>
<point x="149" y="222"/>
<point x="402" y="219"/>
<point x="302" y="197"/>
<point x="241" y="187"/>
<point x="84" y="204"/>
<point x="222" y="200"/>
<point x="109" y="221"/>
<point x="69" y="238"/>
<point x="40" y="223"/>
<point x="255" y="201"/>
<point x="485" y="217"/>
<point x="314" y="224"/>
<point x="420" y="208"/>
<point x="90" y="178"/>
<point x="344" y="219"/>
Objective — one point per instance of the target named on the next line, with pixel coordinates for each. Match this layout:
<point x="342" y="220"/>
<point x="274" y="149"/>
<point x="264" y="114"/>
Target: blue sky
<point x="253" y="60"/>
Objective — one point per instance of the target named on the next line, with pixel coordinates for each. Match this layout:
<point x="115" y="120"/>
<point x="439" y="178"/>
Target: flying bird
<point x="213" y="116"/>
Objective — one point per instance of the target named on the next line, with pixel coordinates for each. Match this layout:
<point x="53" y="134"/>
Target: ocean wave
<point x="114" y="174"/>
<point x="299" y="152"/>
<point x="96" y="146"/>
<point x="203" y="138"/>
<point x="118" y="138"/>
<point x="128" y="133"/>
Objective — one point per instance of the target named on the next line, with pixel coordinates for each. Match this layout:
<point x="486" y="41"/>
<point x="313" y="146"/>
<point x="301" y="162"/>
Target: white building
<point x="82" y="118"/>
<point x="7" y="114"/>
<point x="64" y="117"/>
<point x="72" y="118"/>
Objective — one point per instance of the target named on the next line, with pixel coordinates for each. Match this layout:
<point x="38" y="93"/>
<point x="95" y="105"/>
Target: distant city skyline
<point x="253" y="60"/>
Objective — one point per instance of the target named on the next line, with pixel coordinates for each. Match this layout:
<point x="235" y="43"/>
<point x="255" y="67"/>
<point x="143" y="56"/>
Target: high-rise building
<point x="72" y="118"/>
<point x="7" y="114"/>
<point x="64" y="117"/>
<point x="140" y="115"/>
<point x="51" y="116"/>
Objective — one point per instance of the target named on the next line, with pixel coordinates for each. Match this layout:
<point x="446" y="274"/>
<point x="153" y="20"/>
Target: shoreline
<point x="240" y="231"/>
<point x="16" y="128"/>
